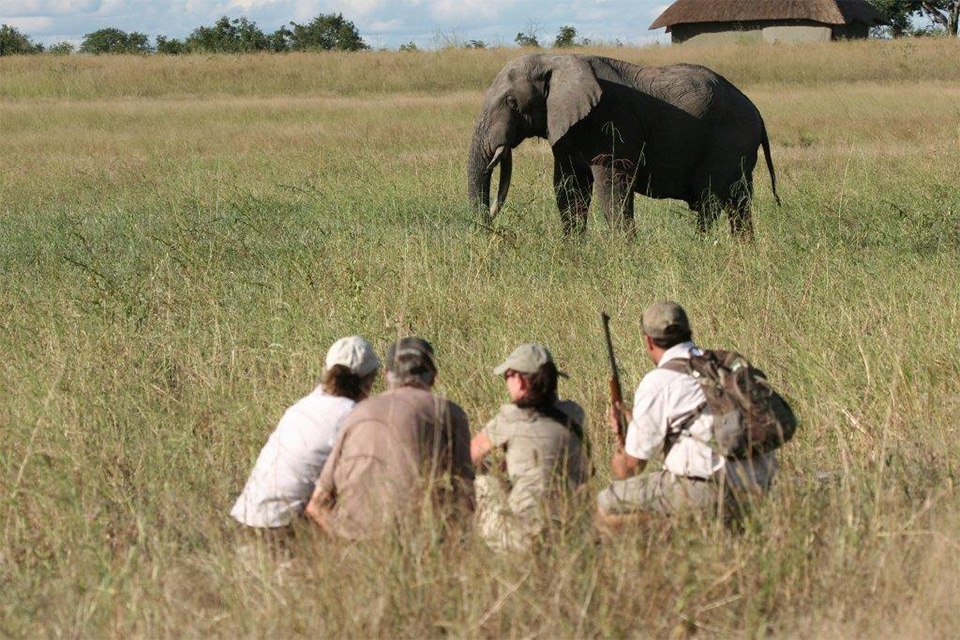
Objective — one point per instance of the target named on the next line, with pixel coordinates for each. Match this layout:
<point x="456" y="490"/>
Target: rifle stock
<point x="616" y="390"/>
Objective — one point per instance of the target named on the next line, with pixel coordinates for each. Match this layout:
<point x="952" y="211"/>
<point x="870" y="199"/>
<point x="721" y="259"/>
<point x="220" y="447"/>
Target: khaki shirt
<point x="545" y="459"/>
<point x="393" y="451"/>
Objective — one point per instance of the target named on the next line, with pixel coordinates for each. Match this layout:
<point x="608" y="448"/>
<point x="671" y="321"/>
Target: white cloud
<point x="28" y="25"/>
<point x="457" y="10"/>
<point x="386" y="23"/>
<point x="386" y="26"/>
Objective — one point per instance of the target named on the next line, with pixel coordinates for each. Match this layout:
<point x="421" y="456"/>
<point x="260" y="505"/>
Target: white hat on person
<point x="354" y="353"/>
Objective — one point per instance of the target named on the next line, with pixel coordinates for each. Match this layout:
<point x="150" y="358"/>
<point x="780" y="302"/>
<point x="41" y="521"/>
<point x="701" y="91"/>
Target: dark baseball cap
<point x="411" y="346"/>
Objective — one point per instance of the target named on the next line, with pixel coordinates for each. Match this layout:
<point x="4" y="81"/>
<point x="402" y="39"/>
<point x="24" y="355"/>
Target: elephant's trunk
<point x="479" y="173"/>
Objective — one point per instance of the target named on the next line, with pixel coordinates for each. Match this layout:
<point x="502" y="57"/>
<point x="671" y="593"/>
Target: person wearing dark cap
<point x="668" y="417"/>
<point x="546" y="457"/>
<point x="398" y="453"/>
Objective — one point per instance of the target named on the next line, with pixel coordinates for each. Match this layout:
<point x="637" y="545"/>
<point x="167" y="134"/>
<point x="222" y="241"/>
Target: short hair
<point x="672" y="341"/>
<point x="423" y="378"/>
<point x="338" y="380"/>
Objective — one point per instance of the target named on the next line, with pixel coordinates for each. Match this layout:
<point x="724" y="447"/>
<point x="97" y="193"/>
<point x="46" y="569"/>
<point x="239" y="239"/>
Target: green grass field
<point x="184" y="237"/>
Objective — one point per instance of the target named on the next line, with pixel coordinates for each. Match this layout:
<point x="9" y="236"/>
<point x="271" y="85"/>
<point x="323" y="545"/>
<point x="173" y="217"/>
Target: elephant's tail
<point x="765" y="143"/>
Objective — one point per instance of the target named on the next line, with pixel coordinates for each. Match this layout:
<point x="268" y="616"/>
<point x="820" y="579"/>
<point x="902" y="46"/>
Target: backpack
<point x="750" y="418"/>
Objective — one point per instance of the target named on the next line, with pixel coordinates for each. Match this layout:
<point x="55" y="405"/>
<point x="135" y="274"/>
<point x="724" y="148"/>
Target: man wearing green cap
<point x="396" y="453"/>
<point x="669" y="416"/>
<point x="545" y="454"/>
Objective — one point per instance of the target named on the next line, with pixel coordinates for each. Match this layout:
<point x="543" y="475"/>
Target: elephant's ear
<point x="573" y="91"/>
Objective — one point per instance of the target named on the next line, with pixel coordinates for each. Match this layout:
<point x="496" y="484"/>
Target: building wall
<point x="820" y="33"/>
<point x="765" y="31"/>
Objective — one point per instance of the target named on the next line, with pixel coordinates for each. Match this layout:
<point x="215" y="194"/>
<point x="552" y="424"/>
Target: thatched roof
<point x="825" y="11"/>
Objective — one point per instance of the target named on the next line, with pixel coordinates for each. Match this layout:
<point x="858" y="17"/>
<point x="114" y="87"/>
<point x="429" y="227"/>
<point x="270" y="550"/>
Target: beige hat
<point x="527" y="358"/>
<point x="665" y="320"/>
<point x="354" y="353"/>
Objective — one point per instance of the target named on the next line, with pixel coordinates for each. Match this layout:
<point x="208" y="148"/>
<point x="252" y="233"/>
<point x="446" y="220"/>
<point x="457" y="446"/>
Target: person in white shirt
<point x="283" y="477"/>
<point x="669" y="416"/>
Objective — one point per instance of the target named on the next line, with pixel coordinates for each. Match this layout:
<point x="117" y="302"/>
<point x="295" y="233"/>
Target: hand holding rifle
<point x="618" y="416"/>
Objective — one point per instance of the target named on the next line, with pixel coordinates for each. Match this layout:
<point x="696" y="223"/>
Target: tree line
<point x="326" y="32"/>
<point x="332" y="32"/>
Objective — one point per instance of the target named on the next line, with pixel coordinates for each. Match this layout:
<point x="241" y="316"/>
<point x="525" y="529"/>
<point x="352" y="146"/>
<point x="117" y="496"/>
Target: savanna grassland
<point x="182" y="238"/>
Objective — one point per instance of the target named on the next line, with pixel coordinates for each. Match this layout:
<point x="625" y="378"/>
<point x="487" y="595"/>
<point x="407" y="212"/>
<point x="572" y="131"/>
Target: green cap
<point x="665" y="320"/>
<point x="527" y="358"/>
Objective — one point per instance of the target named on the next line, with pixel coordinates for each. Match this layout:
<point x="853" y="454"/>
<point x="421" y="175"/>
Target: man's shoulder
<point x="404" y="401"/>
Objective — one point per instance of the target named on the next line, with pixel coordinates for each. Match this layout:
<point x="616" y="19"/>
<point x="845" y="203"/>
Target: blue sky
<point x="387" y="24"/>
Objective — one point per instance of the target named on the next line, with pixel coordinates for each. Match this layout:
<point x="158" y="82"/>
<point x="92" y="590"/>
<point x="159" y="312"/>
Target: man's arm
<point x="624" y="465"/>
<point x="318" y="507"/>
<point x="480" y="448"/>
<point x="324" y="495"/>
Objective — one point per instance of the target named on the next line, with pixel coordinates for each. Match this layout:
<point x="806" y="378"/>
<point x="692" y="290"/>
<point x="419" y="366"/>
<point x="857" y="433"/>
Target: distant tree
<point x="898" y="14"/>
<point x="566" y="37"/>
<point x="280" y="40"/>
<point x="945" y="13"/>
<point x="528" y="38"/>
<point x="170" y="46"/>
<point x="12" y="43"/>
<point x="409" y="46"/>
<point x="238" y="35"/>
<point x="61" y="49"/>
<point x="476" y="44"/>
<point x="326" y="32"/>
<point x="112" y="40"/>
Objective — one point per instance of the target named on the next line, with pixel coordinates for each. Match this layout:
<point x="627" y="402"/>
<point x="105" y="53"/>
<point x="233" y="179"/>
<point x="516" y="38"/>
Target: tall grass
<point x="449" y="71"/>
<point x="184" y="237"/>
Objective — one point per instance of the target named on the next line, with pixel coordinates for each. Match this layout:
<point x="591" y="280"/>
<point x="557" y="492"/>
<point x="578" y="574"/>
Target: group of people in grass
<point x="360" y="465"/>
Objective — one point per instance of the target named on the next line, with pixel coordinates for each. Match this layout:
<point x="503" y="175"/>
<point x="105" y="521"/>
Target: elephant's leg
<point x="573" y="186"/>
<point x="613" y="193"/>
<point x="739" y="209"/>
<point x="708" y="208"/>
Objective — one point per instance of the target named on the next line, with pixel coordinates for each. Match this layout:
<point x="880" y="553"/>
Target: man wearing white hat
<point x="288" y="466"/>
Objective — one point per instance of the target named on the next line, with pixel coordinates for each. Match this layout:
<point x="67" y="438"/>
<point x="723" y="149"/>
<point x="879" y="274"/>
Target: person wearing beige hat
<point x="669" y="418"/>
<point x="283" y="477"/>
<point x="545" y="454"/>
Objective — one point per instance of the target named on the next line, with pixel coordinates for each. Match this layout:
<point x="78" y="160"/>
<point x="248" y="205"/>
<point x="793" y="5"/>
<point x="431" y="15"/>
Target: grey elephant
<point x="679" y="131"/>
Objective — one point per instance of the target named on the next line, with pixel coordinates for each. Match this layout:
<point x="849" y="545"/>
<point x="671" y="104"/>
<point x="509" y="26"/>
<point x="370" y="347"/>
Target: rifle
<point x="616" y="391"/>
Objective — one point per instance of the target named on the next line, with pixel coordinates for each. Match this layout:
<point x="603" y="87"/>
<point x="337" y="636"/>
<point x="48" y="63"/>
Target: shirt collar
<point x="681" y="350"/>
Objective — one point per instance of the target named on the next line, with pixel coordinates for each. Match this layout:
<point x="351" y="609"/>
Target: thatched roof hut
<point x="768" y="20"/>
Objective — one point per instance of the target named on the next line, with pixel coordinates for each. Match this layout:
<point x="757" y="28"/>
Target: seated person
<point x="546" y="459"/>
<point x="397" y="453"/>
<point x="283" y="477"/>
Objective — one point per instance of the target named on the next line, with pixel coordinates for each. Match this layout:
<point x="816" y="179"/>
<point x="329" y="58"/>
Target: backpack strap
<point x="679" y="365"/>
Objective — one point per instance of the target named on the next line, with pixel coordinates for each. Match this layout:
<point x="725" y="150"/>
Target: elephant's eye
<point x="512" y="103"/>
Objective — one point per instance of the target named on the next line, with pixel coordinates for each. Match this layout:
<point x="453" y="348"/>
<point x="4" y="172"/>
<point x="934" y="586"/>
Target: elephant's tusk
<point x="496" y="158"/>
<point x="506" y="171"/>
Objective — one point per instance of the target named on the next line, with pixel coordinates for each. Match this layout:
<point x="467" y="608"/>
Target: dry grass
<point x="183" y="238"/>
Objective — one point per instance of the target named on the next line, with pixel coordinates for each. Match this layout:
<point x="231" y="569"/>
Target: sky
<point x="383" y="24"/>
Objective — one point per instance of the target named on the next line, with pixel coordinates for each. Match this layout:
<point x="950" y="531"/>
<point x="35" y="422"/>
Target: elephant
<point x="680" y="131"/>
